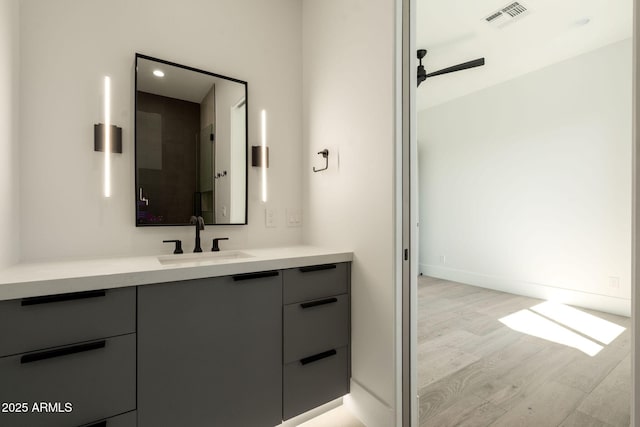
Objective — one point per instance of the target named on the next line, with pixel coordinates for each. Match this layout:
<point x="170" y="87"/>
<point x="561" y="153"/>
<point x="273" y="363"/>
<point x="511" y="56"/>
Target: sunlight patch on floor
<point x="564" y="325"/>
<point x="587" y="324"/>
<point x="530" y="323"/>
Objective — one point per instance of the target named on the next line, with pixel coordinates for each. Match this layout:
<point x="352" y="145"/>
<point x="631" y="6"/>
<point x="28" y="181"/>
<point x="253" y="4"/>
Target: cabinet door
<point x="315" y="281"/>
<point x="124" y="420"/>
<point x="96" y="379"/>
<point x="35" y="323"/>
<point x="315" y="380"/>
<point x="210" y="352"/>
<point x="315" y="326"/>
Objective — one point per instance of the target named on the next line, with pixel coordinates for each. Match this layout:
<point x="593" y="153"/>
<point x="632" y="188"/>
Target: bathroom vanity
<point x="231" y="341"/>
<point x="225" y="338"/>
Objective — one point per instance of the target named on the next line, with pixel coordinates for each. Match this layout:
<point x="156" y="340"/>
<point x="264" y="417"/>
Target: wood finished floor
<point x="475" y="371"/>
<point x="338" y="417"/>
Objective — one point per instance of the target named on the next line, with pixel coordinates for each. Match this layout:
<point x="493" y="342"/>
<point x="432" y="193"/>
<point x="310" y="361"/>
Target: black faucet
<point x="199" y="223"/>
<point x="215" y="247"/>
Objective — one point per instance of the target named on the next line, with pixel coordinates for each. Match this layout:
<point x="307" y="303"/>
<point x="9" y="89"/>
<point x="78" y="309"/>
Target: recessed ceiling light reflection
<point x="158" y="73"/>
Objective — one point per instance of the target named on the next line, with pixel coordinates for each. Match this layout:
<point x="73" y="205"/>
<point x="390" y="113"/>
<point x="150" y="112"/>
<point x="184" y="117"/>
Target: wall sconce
<point x="260" y="155"/>
<point x="107" y="137"/>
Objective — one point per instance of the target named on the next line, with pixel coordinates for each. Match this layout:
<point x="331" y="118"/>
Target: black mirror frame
<point x="135" y="151"/>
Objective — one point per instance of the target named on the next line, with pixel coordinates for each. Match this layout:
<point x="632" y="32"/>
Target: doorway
<point x="444" y="260"/>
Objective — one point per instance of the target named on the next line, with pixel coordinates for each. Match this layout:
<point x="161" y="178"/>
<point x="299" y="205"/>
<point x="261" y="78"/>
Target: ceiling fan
<point x="422" y="73"/>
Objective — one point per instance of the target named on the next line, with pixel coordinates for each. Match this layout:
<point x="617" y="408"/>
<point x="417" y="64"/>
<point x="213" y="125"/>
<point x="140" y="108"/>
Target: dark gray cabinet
<point x="210" y="352"/>
<point x="316" y="333"/>
<point x="96" y="378"/>
<point x="128" y="419"/>
<point x="307" y="384"/>
<point x="68" y="359"/>
<point x="315" y="281"/>
<point x="315" y="326"/>
<point x="248" y="350"/>
<point x="29" y="324"/>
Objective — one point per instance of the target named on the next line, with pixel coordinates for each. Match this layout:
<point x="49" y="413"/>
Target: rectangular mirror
<point x="190" y="145"/>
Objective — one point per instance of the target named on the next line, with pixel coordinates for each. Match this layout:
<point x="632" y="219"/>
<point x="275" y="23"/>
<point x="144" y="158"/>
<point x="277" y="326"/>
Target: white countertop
<point x="46" y="278"/>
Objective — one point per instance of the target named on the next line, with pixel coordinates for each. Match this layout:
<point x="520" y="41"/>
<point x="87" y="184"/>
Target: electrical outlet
<point x="294" y="217"/>
<point x="443" y="259"/>
<point x="270" y="217"/>
<point x="614" y="282"/>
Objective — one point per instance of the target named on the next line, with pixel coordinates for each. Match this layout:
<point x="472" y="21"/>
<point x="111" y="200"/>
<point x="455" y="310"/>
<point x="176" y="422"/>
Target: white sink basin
<point x="203" y="258"/>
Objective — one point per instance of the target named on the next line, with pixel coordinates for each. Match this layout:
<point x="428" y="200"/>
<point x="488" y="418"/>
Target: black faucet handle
<point x="215" y="247"/>
<point x="178" y="249"/>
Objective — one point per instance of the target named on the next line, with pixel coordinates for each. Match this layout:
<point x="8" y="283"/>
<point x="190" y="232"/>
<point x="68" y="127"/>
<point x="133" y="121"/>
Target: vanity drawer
<point x="30" y="324"/>
<point x="97" y="378"/>
<point x="310" y="383"/>
<point x="313" y="326"/>
<point x="124" y="420"/>
<point x="313" y="282"/>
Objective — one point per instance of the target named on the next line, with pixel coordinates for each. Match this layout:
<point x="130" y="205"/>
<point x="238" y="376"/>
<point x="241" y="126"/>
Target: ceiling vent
<point x="508" y="14"/>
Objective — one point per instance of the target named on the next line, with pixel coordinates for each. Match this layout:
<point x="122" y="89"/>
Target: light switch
<point x="270" y="217"/>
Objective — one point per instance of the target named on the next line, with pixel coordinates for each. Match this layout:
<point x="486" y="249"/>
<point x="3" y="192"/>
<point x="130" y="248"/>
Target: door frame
<point x="635" y="221"/>
<point x="407" y="218"/>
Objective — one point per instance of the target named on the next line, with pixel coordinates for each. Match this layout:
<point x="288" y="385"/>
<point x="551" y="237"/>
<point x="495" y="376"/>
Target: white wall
<point x="348" y="93"/>
<point x="526" y="186"/>
<point x="67" y="46"/>
<point x="9" y="175"/>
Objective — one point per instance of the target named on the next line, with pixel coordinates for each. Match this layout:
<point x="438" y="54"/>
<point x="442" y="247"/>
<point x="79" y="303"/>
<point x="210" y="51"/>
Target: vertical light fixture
<point x="107" y="137"/>
<point x="263" y="150"/>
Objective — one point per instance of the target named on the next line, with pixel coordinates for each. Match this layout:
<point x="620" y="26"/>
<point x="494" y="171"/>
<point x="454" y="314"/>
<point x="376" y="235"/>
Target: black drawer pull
<point x="319" y="302"/>
<point x="63" y="297"/>
<point x="318" y="268"/>
<point x="260" y="275"/>
<point x="98" y="424"/>
<point x="318" y="356"/>
<point x="49" y="354"/>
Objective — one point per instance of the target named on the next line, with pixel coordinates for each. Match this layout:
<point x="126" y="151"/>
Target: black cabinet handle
<point x="49" y="354"/>
<point x="317" y="303"/>
<point x="317" y="268"/>
<point x="260" y="275"/>
<point x="98" y="424"/>
<point x="318" y="356"/>
<point x="46" y="299"/>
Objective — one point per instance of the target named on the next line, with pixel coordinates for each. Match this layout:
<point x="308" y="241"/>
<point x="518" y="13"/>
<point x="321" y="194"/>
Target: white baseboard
<point x="608" y="304"/>
<point x="370" y="410"/>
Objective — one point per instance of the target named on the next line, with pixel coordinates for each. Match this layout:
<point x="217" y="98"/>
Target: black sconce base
<point x="256" y="156"/>
<point x="98" y="138"/>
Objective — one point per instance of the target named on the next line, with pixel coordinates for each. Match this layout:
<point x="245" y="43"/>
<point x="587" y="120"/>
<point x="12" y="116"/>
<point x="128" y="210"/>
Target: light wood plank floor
<point x="475" y="371"/>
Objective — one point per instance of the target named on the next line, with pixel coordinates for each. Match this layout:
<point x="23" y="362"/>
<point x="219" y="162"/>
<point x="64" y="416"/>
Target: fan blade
<point x="471" y="64"/>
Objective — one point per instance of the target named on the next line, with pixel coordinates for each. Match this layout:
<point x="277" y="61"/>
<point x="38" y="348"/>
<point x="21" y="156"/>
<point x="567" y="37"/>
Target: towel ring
<point x="325" y="155"/>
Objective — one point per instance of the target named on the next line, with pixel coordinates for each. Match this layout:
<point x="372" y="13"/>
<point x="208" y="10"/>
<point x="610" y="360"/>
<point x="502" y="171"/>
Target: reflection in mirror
<point x="191" y="145"/>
